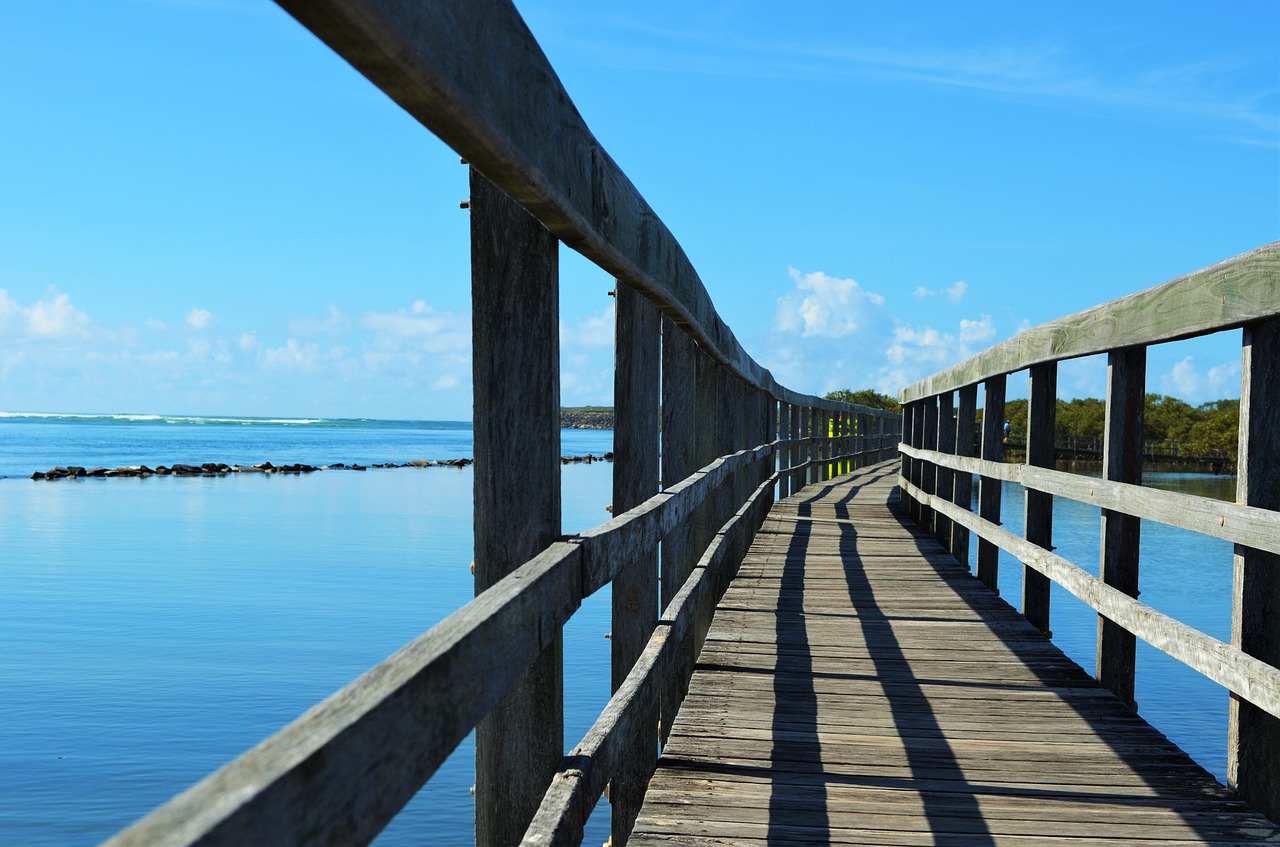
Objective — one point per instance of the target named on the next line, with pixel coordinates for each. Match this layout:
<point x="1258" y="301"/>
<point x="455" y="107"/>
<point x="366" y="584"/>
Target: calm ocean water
<point x="156" y="628"/>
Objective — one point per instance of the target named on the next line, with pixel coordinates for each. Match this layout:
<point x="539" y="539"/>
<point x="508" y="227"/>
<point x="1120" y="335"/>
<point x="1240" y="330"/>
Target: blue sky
<point x="207" y="212"/>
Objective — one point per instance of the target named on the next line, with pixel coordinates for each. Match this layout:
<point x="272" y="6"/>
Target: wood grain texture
<point x="965" y="445"/>
<point x="607" y="747"/>
<point x="1253" y="743"/>
<point x="634" y="594"/>
<point x="1230" y="667"/>
<point x="1247" y="525"/>
<point x="514" y="122"/>
<point x="946" y="480"/>
<point x="989" y="498"/>
<point x="1226" y="295"/>
<point x="516" y="390"/>
<point x="1121" y="537"/>
<point x="1038" y="516"/>
<point x="859" y="687"/>
<point x="387" y="731"/>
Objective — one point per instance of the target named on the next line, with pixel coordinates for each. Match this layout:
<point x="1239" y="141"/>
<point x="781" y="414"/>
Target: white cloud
<point x="825" y="306"/>
<point x="199" y="318"/>
<point x="586" y="358"/>
<point x="918" y="352"/>
<point x="333" y="322"/>
<point x="954" y="292"/>
<point x="594" y="331"/>
<point x="435" y="332"/>
<point x="51" y="318"/>
<point x="293" y="356"/>
<point x="1187" y="381"/>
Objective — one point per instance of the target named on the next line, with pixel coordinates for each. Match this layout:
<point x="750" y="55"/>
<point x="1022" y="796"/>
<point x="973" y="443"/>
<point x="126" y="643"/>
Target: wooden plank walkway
<point x="859" y="687"/>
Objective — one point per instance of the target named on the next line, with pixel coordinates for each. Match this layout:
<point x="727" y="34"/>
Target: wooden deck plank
<point x="858" y="686"/>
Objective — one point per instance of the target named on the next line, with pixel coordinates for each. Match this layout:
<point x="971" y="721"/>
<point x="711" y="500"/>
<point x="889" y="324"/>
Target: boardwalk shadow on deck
<point x="862" y="687"/>
<point x="929" y="754"/>
<point x="1210" y="828"/>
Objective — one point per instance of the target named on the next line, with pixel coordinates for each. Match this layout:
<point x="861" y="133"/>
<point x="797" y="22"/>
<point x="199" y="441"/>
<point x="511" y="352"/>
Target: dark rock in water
<point x="96" y="472"/>
<point x="608" y="457"/>
<point x="248" y="469"/>
<point x="186" y="470"/>
<point x="357" y="467"/>
<point x="338" y="466"/>
<point x="39" y="475"/>
<point x="163" y="471"/>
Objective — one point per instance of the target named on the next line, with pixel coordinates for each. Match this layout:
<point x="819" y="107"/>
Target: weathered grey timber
<point x="966" y="417"/>
<point x="636" y="392"/>
<point x="1126" y="390"/>
<point x="1241" y="291"/>
<point x="1227" y="295"/>
<point x="1041" y="412"/>
<point x="1247" y="525"/>
<point x="989" y="487"/>
<point x="860" y="687"/>
<point x="516" y="387"/>
<point x="1253" y="742"/>
<point x="515" y="123"/>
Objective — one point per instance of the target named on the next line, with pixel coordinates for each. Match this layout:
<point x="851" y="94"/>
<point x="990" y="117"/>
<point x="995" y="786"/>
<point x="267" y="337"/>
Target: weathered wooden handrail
<point x="732" y="439"/>
<point x="1240" y="292"/>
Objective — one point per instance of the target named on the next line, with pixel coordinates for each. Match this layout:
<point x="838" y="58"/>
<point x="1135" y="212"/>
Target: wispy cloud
<point x="1049" y="70"/>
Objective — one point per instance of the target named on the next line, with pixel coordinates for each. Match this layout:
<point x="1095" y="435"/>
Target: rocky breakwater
<point x="221" y="469"/>
<point x="206" y="469"/>
<point x="586" y="417"/>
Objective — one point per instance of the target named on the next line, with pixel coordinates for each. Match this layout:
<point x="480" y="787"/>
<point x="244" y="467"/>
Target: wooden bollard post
<point x="929" y="471"/>
<point x="989" y="487"/>
<point x="1041" y="416"/>
<point x="516" y="385"/>
<point x="679" y="460"/>
<point x="966" y="416"/>
<point x="784" y="450"/>
<point x="1121" y="462"/>
<point x="945" y="485"/>
<point x="1253" y="736"/>
<point x="636" y="396"/>
<point x="906" y="462"/>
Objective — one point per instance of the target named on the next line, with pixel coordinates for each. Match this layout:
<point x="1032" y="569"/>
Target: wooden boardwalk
<point x="859" y="687"/>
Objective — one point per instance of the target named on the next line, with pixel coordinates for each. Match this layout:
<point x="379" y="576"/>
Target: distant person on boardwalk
<point x="1007" y="430"/>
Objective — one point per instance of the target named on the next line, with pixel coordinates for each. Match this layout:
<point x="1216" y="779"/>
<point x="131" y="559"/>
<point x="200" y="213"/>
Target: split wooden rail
<point x="731" y="439"/>
<point x="938" y="465"/>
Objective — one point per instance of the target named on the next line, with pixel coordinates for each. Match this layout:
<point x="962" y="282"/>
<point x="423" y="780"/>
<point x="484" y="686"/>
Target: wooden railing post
<point x="1041" y="415"/>
<point x="946" y="443"/>
<point x="907" y="471"/>
<point x="966" y="416"/>
<point x="784" y="449"/>
<point x="1122" y="462"/>
<point x="516" y="386"/>
<point x="636" y="396"/>
<point x="679" y="459"/>
<point x="797" y="448"/>
<point x="1253" y="736"/>
<point x="989" y="487"/>
<point x="928" y="470"/>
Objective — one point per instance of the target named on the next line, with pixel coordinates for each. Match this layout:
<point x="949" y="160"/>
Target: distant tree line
<point x="1210" y="429"/>
<point x="865" y="397"/>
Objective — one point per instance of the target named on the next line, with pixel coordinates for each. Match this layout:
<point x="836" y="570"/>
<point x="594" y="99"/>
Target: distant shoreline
<point x="586" y="417"/>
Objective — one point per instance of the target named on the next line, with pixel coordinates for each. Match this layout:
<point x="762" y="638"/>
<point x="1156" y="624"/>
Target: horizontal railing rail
<point x="732" y="440"/>
<point x="939" y="459"/>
